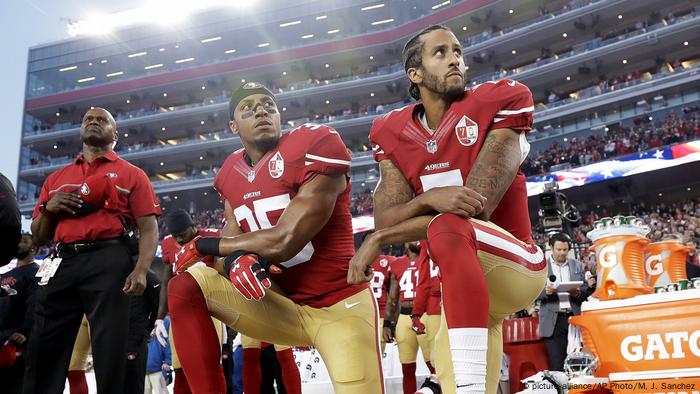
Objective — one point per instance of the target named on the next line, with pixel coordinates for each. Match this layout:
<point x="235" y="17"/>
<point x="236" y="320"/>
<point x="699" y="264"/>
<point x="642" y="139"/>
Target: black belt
<point x="73" y="248"/>
<point x="406" y="311"/>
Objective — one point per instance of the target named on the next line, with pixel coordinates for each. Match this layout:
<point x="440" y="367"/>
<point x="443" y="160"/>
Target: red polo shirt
<point x="136" y="198"/>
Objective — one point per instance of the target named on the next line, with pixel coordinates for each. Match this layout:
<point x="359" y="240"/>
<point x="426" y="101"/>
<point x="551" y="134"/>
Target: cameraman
<point x="554" y="320"/>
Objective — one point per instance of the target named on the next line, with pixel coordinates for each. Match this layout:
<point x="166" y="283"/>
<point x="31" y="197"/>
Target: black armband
<point x="208" y="245"/>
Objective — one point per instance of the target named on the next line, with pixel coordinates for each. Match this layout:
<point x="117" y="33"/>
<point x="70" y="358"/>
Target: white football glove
<point x="160" y="332"/>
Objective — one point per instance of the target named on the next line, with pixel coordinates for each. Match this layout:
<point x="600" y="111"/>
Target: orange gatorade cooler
<point x="619" y="249"/>
<point x="652" y="336"/>
<point x="665" y="263"/>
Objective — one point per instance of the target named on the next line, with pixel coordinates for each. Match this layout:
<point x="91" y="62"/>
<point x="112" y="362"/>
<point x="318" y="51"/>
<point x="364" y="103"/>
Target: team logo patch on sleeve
<point x="276" y="165"/>
<point x="467" y="131"/>
<point x="84" y="189"/>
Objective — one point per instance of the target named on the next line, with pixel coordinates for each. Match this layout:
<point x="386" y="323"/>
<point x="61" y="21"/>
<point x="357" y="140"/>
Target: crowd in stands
<point x="645" y="133"/>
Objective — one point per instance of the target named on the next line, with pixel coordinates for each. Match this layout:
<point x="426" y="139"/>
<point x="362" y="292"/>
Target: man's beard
<point x="450" y="92"/>
<point x="267" y="144"/>
<point x="22" y="255"/>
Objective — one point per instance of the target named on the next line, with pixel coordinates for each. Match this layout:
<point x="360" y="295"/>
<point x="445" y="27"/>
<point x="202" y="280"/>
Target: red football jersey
<point x="317" y="275"/>
<point x="445" y="157"/>
<point x="428" y="295"/>
<point x="169" y="247"/>
<point x="380" y="281"/>
<point x="406" y="272"/>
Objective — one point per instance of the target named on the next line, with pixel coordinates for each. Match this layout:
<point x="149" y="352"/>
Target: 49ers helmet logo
<point x="467" y="131"/>
<point x="276" y="165"/>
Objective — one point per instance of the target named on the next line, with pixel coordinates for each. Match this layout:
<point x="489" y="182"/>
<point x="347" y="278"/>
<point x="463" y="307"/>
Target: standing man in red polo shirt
<point x="84" y="207"/>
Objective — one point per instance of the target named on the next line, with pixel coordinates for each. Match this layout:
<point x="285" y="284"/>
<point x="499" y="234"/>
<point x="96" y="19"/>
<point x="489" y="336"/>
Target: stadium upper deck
<point x="168" y="87"/>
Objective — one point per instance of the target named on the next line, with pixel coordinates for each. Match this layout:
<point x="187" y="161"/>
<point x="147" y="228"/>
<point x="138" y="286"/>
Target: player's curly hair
<point x="412" y="53"/>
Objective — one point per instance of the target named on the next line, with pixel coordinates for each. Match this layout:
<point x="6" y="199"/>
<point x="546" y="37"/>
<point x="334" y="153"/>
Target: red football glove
<point x="187" y="256"/>
<point x="248" y="276"/>
<point x="417" y="325"/>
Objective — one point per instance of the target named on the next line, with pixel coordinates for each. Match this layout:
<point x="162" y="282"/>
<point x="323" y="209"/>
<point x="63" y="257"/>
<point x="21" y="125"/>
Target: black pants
<point x="136" y="357"/>
<point x="88" y="283"/>
<point x="11" y="378"/>
<point x="556" y="344"/>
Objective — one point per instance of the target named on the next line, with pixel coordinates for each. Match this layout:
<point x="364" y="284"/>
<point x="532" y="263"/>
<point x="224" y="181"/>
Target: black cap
<point x="178" y="221"/>
<point x="245" y="90"/>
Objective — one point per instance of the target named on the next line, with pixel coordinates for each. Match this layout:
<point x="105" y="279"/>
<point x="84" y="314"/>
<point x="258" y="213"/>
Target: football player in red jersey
<point x="450" y="173"/>
<point x="405" y="276"/>
<point x="380" y="289"/>
<point x="288" y="245"/>
<point x="182" y="230"/>
<point x="428" y="301"/>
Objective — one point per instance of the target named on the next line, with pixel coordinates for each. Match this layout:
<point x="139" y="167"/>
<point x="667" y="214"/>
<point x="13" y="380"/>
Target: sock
<point x="409" y="378"/>
<point x="430" y="367"/>
<point x="195" y="337"/>
<point x="468" y="347"/>
<point x="465" y="297"/>
<point x="252" y="375"/>
<point x="77" y="382"/>
<point x="181" y="386"/>
<point x="290" y="372"/>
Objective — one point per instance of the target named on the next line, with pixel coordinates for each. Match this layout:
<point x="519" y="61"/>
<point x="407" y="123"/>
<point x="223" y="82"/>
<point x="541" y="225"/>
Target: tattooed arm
<point x="394" y="200"/>
<point x="495" y="168"/>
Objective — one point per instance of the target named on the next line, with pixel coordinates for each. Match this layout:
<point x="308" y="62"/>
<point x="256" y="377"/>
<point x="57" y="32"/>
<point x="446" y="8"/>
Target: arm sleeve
<point x="380" y="149"/>
<point x="327" y="155"/>
<point x="143" y="200"/>
<point x="420" y="301"/>
<point x="514" y="106"/>
<point x="43" y="197"/>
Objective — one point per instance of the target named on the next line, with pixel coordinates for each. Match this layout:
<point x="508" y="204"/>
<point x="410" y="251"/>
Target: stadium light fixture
<point x="292" y="23"/>
<point x="55" y="146"/>
<point x="162" y="164"/>
<point x="371" y="94"/>
<point x="137" y="54"/>
<point x="564" y="35"/>
<point x="229" y="51"/>
<point x="372" y="7"/>
<point x="161" y="49"/>
<point x="263" y="45"/>
<point x="438" y="5"/>
<point x="64" y="69"/>
<point x="90" y="64"/>
<point x="284" y="109"/>
<point x="327" y="65"/>
<point x="204" y="87"/>
<point x="304" y="37"/>
<point x="189" y="59"/>
<point x="128" y="101"/>
<point x="162" y="129"/>
<point x="284" y="73"/>
<point x="383" y="21"/>
<point x="510" y="11"/>
<point x="624" y="61"/>
<point x="619" y="17"/>
<point x="210" y="39"/>
<point x="321" y="17"/>
<point x="201" y="157"/>
<point x="126" y="135"/>
<point x="171" y="13"/>
<point x="568" y="78"/>
<point x="58" y="114"/>
<point x="371" y="58"/>
<point x="685" y="43"/>
<point x="103" y="61"/>
<point x="165" y="95"/>
<point x="152" y="66"/>
<point x="333" y="31"/>
<point x="328" y="102"/>
<point x="88" y="79"/>
<point x="115" y="74"/>
<point x="201" y="122"/>
<point x="464" y="28"/>
<point x="513" y="52"/>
